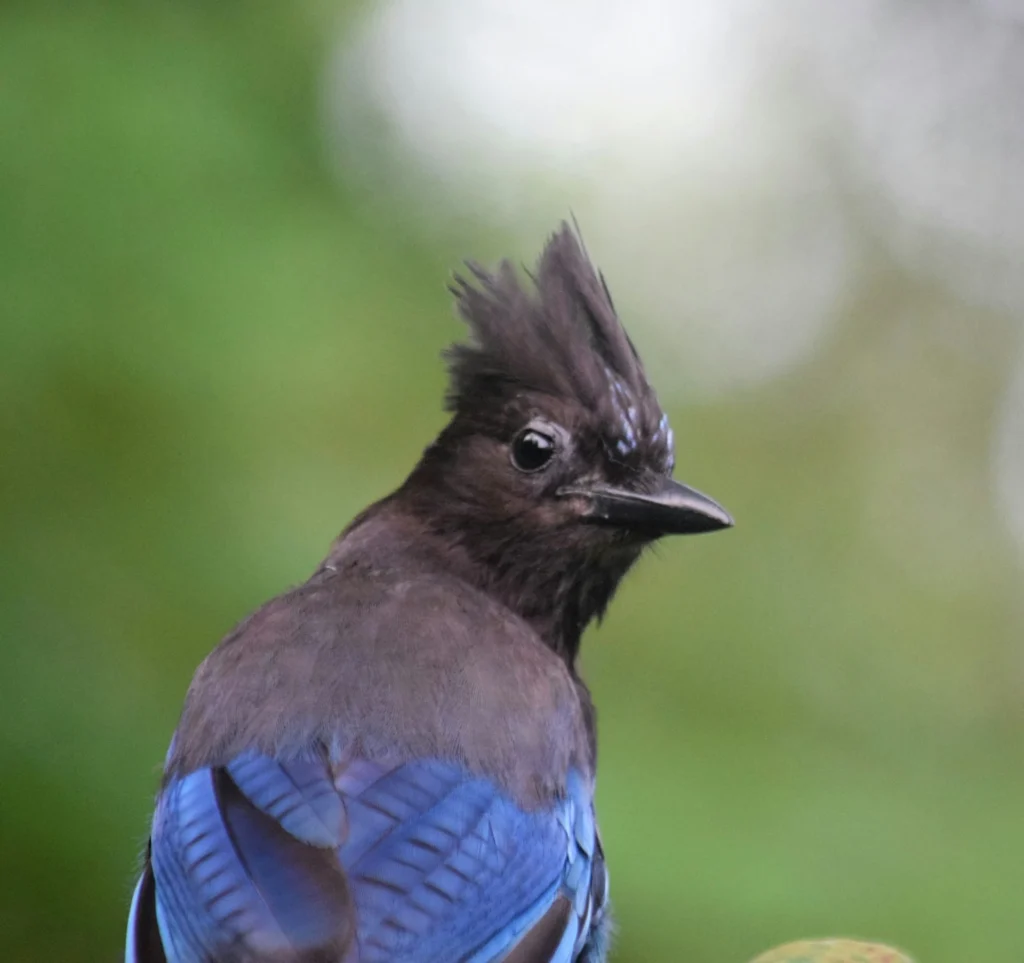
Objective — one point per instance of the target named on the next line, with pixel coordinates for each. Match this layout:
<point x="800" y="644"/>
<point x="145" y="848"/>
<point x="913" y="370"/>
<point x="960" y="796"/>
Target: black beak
<point x="672" y="509"/>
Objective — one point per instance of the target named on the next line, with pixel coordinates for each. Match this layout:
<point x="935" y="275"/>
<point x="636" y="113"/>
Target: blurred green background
<point x="214" y="350"/>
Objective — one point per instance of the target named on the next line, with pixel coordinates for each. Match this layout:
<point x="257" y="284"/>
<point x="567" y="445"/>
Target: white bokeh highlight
<point x="930" y="120"/>
<point x="656" y="122"/>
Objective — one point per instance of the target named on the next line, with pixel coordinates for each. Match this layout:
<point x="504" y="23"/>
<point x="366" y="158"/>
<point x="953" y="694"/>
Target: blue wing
<point x="356" y="862"/>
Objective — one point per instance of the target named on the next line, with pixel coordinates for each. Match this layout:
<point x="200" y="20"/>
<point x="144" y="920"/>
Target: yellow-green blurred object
<point x="833" y="951"/>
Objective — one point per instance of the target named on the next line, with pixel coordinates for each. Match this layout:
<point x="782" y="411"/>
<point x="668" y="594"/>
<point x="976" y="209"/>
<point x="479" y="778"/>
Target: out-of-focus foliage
<point x="833" y="951"/>
<point x="213" y="352"/>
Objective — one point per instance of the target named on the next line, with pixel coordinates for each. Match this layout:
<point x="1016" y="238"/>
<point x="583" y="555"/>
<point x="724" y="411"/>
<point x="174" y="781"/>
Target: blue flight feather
<point x="422" y="861"/>
<point x="299" y="794"/>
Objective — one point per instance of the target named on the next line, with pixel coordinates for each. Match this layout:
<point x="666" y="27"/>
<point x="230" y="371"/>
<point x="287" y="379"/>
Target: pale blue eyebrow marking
<point x="664" y="433"/>
<point x="625" y="408"/>
<point x="628" y="413"/>
<point x="664" y="430"/>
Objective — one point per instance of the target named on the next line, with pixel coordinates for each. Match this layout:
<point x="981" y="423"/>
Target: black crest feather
<point x="563" y="339"/>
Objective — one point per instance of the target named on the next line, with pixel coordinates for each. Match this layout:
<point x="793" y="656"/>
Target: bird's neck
<point x="556" y="594"/>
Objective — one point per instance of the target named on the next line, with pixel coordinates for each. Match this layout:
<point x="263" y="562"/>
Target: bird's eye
<point x="532" y="450"/>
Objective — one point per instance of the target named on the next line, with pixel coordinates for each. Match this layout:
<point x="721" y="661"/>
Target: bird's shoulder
<point x="392" y="660"/>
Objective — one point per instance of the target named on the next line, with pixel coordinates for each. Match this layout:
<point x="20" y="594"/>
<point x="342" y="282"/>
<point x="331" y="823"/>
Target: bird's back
<point x="382" y="764"/>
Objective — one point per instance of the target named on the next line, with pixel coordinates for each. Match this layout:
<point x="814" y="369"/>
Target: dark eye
<point x="532" y="450"/>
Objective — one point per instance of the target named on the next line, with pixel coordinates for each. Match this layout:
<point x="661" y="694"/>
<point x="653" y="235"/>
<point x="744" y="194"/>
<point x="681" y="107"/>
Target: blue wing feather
<point x="143" y="943"/>
<point x="299" y="794"/>
<point x="447" y="879"/>
<point x="228" y="878"/>
<point x="423" y="860"/>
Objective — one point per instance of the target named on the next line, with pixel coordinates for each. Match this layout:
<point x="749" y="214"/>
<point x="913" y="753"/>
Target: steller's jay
<point x="395" y="761"/>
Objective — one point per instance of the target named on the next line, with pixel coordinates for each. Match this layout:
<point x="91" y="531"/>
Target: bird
<point x="395" y="761"/>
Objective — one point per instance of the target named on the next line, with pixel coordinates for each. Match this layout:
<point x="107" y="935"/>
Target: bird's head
<point x="556" y="467"/>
